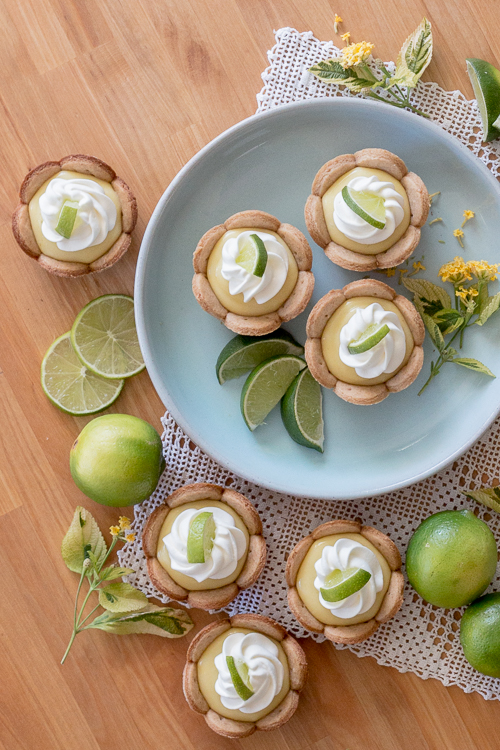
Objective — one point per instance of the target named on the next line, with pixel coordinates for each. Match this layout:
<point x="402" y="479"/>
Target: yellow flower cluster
<point x="115" y="530"/>
<point x="465" y="294"/>
<point x="458" y="270"/>
<point x="124" y="524"/>
<point x="355" y="54"/>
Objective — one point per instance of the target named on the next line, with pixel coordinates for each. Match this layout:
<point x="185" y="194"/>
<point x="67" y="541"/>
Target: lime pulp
<point x="67" y="218"/>
<point x="200" y="537"/>
<point x="370" y="338"/>
<point x="485" y="79"/>
<point x="253" y="255"/>
<point x="367" y="205"/>
<point x="344" y="583"/>
<point x="244" y="353"/>
<point x="266" y="385"/>
<point x="301" y="411"/>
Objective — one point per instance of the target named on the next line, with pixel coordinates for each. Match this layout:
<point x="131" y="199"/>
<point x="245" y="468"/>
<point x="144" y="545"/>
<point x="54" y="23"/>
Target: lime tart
<point x="253" y="272"/>
<point x="244" y="674"/>
<point x="204" y="545"/>
<point x="75" y="216"/>
<point x="365" y="210"/>
<point x="344" y="580"/>
<point x="364" y="342"/>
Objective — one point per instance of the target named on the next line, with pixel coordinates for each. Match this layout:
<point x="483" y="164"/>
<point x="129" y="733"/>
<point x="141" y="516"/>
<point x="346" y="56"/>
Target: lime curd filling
<point x="98" y="224"/>
<point x="313" y="567"/>
<point x="228" y="554"/>
<point x="268" y="674"/>
<point x="239" y="291"/>
<point x="351" y="231"/>
<point x="378" y="364"/>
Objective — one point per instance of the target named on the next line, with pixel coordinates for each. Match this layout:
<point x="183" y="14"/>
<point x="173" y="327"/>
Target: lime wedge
<point x="240" y="678"/>
<point x="253" y="255"/>
<point x="105" y="338"/>
<point x="200" y="537"/>
<point x="370" y="338"/>
<point x="485" y="79"/>
<point x="342" y="583"/>
<point x="301" y="410"/>
<point x="368" y="206"/>
<point x="67" y="219"/>
<point x="266" y="385"/>
<point x="243" y="353"/>
<point x="70" y="386"/>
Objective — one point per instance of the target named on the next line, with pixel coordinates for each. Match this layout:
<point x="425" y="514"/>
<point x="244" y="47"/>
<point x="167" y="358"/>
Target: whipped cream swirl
<point x="384" y="357"/>
<point x="252" y="287"/>
<point x="356" y="228"/>
<point x="228" y="548"/>
<point x="96" y="213"/>
<point x="265" y="671"/>
<point x="348" y="553"/>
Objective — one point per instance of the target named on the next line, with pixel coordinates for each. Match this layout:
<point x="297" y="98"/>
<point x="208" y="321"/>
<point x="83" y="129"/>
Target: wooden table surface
<point x="144" y="84"/>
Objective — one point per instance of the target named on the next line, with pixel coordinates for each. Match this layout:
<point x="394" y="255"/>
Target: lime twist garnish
<point x="343" y="583"/>
<point x="200" y="537"/>
<point x="67" y="218"/>
<point x="301" y="411"/>
<point x="370" y="207"/>
<point x="253" y="255"/>
<point x="370" y="338"/>
<point x="239" y="676"/>
<point x="485" y="79"/>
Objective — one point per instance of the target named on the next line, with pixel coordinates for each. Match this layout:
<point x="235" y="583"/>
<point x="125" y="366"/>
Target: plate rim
<point x="139" y="297"/>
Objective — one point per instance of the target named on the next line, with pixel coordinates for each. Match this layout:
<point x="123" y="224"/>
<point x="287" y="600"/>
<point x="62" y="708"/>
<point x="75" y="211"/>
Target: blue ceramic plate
<point x="268" y="162"/>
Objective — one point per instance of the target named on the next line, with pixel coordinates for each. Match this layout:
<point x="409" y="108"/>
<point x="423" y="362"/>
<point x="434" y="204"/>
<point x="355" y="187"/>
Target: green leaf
<point x="448" y="320"/>
<point x="163" y="621"/>
<point x="473" y="364"/>
<point x="122" y="597"/>
<point x="490" y="306"/>
<point x="482" y="297"/>
<point x="488" y="496"/>
<point x="82" y="537"/>
<point x="428" y="292"/>
<point x="356" y="79"/>
<point x="114" y="571"/>
<point x="434" y="331"/>
<point x="414" y="56"/>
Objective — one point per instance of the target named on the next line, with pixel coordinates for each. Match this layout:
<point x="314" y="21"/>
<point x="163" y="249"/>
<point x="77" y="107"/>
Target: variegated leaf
<point x="491" y="305"/>
<point x="414" y="56"/>
<point x="356" y="79"/>
<point x="473" y="364"/>
<point x="488" y="496"/>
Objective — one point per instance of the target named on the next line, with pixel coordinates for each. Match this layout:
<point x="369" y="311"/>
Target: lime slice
<point x="370" y="338"/>
<point x="240" y="678"/>
<point x="70" y="386"/>
<point x="105" y="338"/>
<point x="266" y="385"/>
<point x="200" y="537"/>
<point x="243" y="353"/>
<point x="302" y="413"/>
<point x="253" y="255"/>
<point x="342" y="583"/>
<point x="485" y="79"/>
<point x="368" y="206"/>
<point x="67" y="219"/>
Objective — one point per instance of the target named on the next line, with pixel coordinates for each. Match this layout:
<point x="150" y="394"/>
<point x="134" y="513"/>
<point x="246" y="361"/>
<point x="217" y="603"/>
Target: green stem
<point x="440" y="361"/>
<point x="398" y="103"/>
<point x="69" y="645"/>
<point x="87" y="617"/>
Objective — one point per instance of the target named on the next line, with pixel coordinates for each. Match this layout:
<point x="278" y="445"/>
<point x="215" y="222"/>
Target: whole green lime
<point x="480" y="634"/>
<point x="117" y="460"/>
<point x="451" y="558"/>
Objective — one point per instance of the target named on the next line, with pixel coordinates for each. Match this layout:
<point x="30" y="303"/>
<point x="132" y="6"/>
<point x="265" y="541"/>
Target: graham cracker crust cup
<point x="216" y="598"/>
<point x="89" y="166"/>
<point x="391" y="603"/>
<point x="363" y="395"/>
<point x="297" y="666"/>
<point x="293" y="306"/>
<point x="375" y="158"/>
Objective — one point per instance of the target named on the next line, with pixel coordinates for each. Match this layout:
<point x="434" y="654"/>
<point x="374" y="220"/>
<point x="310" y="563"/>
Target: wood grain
<point x="143" y="85"/>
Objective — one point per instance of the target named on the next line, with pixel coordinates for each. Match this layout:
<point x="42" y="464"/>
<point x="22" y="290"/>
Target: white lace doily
<point x="421" y="638"/>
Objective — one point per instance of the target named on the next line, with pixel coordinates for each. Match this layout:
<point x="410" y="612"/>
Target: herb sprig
<point x="127" y="610"/>
<point x="472" y="306"/>
<point x="352" y="70"/>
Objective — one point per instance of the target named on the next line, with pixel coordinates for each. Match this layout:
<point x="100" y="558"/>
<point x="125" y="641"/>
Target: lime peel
<point x="243" y="353"/>
<point x="200" y="539"/>
<point x="241" y="686"/>
<point x="344" y="583"/>
<point x="253" y="255"/>
<point x="366" y="205"/>
<point x="301" y="411"/>
<point x="266" y="385"/>
<point x="372" y="336"/>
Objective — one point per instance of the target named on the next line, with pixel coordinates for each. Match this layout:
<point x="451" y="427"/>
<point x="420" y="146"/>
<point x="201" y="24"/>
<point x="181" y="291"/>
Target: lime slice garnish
<point x="368" y="206"/>
<point x="70" y="386"/>
<point x="243" y="353"/>
<point x="200" y="537"/>
<point x="301" y="410"/>
<point x="239" y="676"/>
<point x="67" y="219"/>
<point x="370" y="338"/>
<point x="266" y="385"/>
<point x="485" y="79"/>
<point x="105" y="338"/>
<point x="253" y="255"/>
<point x="343" y="583"/>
